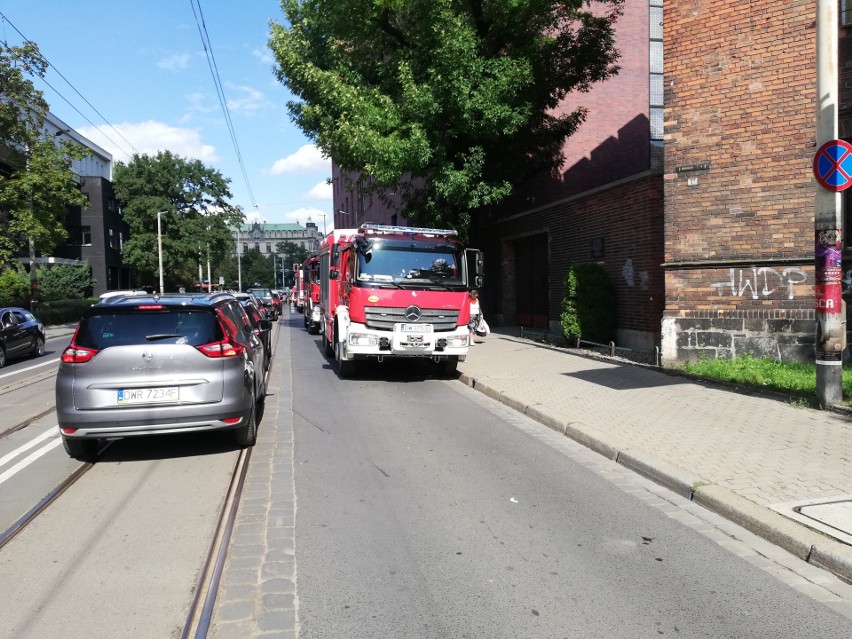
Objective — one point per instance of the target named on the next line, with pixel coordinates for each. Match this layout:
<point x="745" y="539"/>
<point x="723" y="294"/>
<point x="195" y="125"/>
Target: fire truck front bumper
<point x="407" y="340"/>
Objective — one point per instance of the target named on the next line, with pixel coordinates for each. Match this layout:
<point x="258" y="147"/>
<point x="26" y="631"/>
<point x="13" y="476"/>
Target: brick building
<point x="605" y="205"/>
<point x="739" y="187"/>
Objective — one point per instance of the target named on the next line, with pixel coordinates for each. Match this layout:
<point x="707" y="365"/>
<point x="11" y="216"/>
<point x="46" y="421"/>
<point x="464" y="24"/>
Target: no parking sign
<point x="833" y="165"/>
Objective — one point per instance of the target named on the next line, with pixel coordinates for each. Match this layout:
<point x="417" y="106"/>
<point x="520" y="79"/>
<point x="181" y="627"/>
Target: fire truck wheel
<point x="329" y="349"/>
<point x="345" y="368"/>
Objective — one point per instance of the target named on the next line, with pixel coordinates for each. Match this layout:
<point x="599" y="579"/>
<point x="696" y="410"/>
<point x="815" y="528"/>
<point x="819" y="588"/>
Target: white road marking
<point x="35" y="441"/>
<point x="30" y="459"/>
<point x="29" y="368"/>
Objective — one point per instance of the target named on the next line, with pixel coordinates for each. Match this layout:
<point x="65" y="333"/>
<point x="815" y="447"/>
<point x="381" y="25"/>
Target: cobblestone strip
<point x="257" y="595"/>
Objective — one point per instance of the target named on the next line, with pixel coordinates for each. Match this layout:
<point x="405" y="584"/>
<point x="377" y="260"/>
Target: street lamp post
<point x="160" y="248"/>
<point x="239" y="264"/>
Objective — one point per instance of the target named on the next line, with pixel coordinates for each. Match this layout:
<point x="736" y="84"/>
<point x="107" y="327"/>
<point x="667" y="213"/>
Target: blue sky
<point x="142" y="66"/>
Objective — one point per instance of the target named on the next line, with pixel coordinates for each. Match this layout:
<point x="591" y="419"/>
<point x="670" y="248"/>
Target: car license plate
<point x="415" y="328"/>
<point x="148" y="395"/>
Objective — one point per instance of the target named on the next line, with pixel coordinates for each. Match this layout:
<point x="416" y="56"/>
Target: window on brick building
<point x="655" y="110"/>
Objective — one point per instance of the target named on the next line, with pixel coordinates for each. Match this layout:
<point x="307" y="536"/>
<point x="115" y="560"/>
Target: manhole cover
<point x="831" y="515"/>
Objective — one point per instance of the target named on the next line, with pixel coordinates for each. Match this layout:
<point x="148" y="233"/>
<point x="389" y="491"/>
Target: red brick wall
<point x="627" y="217"/>
<point x="739" y="241"/>
<point x="740" y="85"/>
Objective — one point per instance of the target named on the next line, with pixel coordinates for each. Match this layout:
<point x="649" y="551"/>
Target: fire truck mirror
<point x="333" y="274"/>
<point x="478" y="281"/>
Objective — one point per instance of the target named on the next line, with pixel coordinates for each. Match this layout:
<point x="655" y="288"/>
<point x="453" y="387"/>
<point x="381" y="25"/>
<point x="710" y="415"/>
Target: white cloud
<point x="249" y="99"/>
<point x="307" y="158"/>
<point x="321" y="191"/>
<point x="264" y="55"/>
<point x="148" y="138"/>
<point x="175" y="62"/>
<point x="303" y="215"/>
<point x="296" y="216"/>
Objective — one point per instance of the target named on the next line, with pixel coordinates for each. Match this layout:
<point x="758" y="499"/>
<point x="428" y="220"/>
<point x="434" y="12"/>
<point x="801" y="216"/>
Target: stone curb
<point x="805" y="543"/>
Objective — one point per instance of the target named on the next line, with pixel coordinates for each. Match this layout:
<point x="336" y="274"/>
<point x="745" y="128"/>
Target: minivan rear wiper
<point x="158" y="336"/>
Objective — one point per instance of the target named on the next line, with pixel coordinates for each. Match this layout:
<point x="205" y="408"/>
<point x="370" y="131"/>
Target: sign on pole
<point x="833" y="165"/>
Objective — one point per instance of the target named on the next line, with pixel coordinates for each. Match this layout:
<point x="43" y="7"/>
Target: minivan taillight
<point x="77" y="354"/>
<point x="223" y="348"/>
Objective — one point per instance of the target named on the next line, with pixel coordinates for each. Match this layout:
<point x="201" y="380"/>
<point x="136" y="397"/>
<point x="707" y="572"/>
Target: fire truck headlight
<point x="362" y="339"/>
<point x="457" y="341"/>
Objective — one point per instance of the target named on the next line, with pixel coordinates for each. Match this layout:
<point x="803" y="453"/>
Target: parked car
<point x="150" y="364"/>
<point x="265" y="296"/>
<point x="21" y="334"/>
<point x="260" y="324"/>
<point x="276" y="300"/>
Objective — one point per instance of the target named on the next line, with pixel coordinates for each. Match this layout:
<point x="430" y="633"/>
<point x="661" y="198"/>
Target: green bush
<point x="61" y="282"/>
<point x="63" y="311"/>
<point x="589" y="308"/>
<point x="14" y="286"/>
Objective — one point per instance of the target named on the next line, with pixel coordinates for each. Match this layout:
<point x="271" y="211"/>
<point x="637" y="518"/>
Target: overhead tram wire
<point x="68" y="82"/>
<point x="220" y="92"/>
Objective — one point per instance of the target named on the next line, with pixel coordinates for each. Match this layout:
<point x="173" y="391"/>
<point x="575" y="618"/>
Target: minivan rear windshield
<point x="169" y="326"/>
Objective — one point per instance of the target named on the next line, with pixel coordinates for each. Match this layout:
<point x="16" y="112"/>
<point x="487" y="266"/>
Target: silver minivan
<point x="151" y="364"/>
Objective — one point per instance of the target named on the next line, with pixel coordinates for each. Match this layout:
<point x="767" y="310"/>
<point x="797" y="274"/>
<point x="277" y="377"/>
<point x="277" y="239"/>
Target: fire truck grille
<point x="383" y="319"/>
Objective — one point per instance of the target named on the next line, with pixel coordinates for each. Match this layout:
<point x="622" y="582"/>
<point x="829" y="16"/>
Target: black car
<point x="265" y="297"/>
<point x="261" y="325"/>
<point x="21" y="334"/>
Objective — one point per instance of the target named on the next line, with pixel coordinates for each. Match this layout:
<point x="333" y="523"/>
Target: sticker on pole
<point x="833" y="165"/>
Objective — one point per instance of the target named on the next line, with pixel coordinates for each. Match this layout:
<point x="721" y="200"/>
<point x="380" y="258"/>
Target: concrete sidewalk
<point x="747" y="457"/>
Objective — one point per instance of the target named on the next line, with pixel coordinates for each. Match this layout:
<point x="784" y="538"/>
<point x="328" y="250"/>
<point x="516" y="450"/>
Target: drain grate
<point x="830" y="515"/>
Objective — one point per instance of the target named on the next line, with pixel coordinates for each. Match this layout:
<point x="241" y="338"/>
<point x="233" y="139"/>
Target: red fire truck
<point x="311" y="306"/>
<point x="298" y="296"/>
<point x="392" y="291"/>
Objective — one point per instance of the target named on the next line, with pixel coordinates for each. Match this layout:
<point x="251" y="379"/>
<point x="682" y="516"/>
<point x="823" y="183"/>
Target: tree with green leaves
<point x="448" y="104"/>
<point x="14" y="286"/>
<point x="65" y="282"/>
<point x="36" y="181"/>
<point x="196" y="217"/>
<point x="292" y="253"/>
<point x="256" y="270"/>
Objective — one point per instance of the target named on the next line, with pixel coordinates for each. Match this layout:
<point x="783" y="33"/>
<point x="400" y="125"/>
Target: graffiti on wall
<point x="762" y="282"/>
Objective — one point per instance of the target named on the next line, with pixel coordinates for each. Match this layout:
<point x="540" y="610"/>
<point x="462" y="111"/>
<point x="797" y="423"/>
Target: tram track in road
<point x="201" y="609"/>
<point x="29" y="420"/>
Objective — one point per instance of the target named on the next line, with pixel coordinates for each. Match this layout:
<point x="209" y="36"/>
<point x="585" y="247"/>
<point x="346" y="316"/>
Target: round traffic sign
<point x="833" y="165"/>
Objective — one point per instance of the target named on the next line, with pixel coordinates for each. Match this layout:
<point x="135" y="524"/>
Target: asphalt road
<point x="424" y="511"/>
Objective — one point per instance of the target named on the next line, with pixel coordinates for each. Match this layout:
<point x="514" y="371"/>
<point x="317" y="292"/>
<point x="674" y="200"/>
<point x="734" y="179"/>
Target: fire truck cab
<point x="396" y="292"/>
<point x="311" y="308"/>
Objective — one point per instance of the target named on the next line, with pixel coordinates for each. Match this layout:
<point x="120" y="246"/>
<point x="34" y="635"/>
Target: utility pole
<point x="830" y="310"/>
<point x="239" y="264"/>
<point x="160" y="248"/>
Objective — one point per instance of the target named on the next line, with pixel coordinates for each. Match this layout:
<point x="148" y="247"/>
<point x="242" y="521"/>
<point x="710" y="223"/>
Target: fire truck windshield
<point x="401" y="262"/>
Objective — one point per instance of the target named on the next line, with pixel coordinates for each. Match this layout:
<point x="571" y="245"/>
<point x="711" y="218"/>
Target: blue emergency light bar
<point x="404" y="230"/>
